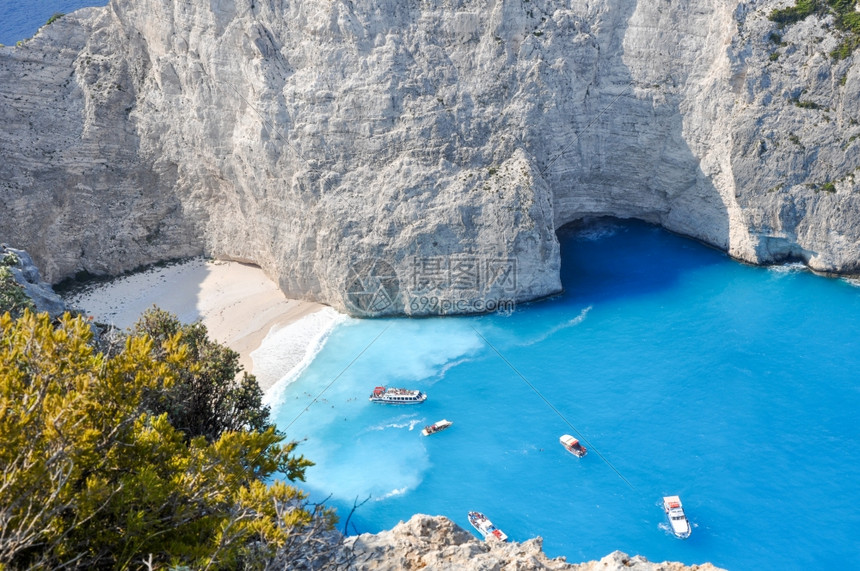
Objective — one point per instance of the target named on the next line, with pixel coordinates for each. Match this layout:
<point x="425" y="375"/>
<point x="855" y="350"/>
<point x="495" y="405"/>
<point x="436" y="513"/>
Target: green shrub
<point x="13" y="298"/>
<point x="94" y="480"/>
<point x="845" y="48"/>
<point x="56" y="16"/>
<point x="206" y="399"/>
<point x="807" y="104"/>
<point x="850" y="22"/>
<point x="842" y="6"/>
<point x="795" y="13"/>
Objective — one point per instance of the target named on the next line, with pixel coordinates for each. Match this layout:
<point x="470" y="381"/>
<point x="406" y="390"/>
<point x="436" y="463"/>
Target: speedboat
<point x="677" y="518"/>
<point x="486" y="528"/>
<point x="436" y="427"/>
<point x="573" y="446"/>
<point x="397" y="396"/>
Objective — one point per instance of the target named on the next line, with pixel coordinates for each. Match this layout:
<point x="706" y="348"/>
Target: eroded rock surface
<point x="447" y="139"/>
<point x="437" y="543"/>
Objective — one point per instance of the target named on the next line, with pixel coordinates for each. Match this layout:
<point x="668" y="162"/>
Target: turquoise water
<point x="20" y="20"/>
<point x="686" y="373"/>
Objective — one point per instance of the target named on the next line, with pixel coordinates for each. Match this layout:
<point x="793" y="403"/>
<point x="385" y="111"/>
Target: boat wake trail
<point x="560" y="327"/>
<point x="409" y="422"/>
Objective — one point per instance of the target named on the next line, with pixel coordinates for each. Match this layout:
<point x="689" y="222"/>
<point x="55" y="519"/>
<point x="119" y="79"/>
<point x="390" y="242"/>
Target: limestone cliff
<point x="364" y="151"/>
<point x="436" y="543"/>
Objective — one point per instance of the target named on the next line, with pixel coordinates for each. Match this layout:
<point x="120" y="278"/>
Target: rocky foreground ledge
<point x="428" y="542"/>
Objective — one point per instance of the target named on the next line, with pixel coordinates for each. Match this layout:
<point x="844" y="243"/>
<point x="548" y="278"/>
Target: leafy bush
<point x="850" y="21"/>
<point x="89" y="478"/>
<point x="795" y="13"/>
<point x="13" y="298"/>
<point x="847" y="20"/>
<point x="56" y="16"/>
<point x="206" y="399"/>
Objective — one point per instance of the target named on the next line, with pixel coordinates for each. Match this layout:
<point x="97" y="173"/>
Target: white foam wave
<point x="598" y="231"/>
<point x="392" y="493"/>
<point x="286" y="352"/>
<point x="788" y="268"/>
<point x="560" y="327"/>
<point x="852" y="281"/>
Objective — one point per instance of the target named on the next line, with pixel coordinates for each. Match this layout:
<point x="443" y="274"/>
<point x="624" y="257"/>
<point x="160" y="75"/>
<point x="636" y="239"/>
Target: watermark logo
<point x="459" y="283"/>
<point x="437" y="285"/>
<point x="372" y="286"/>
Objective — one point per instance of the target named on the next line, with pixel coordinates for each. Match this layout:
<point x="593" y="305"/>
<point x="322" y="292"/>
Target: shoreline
<point x="239" y="305"/>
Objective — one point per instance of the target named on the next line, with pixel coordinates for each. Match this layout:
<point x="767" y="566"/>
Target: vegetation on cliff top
<point x="93" y="474"/>
<point x="846" y="18"/>
<point x="13" y="298"/>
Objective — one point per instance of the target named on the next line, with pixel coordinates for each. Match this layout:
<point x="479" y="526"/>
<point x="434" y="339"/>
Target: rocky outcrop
<point x="436" y="543"/>
<point x="390" y="156"/>
<point x="26" y="275"/>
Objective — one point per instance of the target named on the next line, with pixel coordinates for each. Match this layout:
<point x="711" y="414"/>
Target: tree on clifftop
<point x="206" y="399"/>
<point x="91" y="477"/>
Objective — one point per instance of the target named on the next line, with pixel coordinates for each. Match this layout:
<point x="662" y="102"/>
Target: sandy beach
<point x="238" y="303"/>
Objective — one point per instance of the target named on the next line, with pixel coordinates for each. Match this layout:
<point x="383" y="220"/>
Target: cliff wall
<point x="368" y="152"/>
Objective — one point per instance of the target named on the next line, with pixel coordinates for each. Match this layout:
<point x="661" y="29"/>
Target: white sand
<point x="238" y="303"/>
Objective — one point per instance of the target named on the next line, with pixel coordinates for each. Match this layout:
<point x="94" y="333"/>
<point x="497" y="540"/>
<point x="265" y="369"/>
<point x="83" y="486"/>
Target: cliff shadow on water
<point x="606" y="259"/>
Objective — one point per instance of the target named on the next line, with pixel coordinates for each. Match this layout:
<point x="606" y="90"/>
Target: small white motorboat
<point x="677" y="518"/>
<point x="436" y="427"/>
<point x="573" y="446"/>
<point x="486" y="528"/>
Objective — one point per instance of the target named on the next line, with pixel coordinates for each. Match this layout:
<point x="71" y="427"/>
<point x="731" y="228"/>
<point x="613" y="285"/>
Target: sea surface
<point x="682" y="371"/>
<point x="20" y="20"/>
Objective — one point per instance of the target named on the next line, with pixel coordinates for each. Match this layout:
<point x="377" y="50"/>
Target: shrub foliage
<point x="91" y="476"/>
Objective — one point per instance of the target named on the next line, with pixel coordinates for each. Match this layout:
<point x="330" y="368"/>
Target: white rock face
<point x="417" y="156"/>
<point x="437" y="543"/>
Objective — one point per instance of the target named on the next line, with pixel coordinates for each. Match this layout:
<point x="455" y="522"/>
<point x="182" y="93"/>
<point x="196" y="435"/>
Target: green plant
<point x="774" y="56"/>
<point x="56" y="16"/>
<point x="807" y="104"/>
<point x="92" y="479"/>
<point x="828" y="187"/>
<point x="208" y="398"/>
<point x="13" y="298"/>
<point x="792" y="14"/>
<point x="846" y="20"/>
<point x="9" y="259"/>
<point x="845" y="48"/>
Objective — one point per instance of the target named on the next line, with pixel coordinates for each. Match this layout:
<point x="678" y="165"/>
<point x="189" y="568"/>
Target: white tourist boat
<point x="573" y="446"/>
<point x="436" y="427"/>
<point x="389" y="395"/>
<point x="486" y="528"/>
<point x="677" y="518"/>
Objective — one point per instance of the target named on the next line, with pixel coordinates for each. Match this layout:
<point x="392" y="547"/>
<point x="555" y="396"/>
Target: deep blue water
<point x="19" y="19"/>
<point x="733" y="386"/>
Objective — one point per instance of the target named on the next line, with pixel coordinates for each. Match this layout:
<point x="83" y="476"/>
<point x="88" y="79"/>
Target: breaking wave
<point x="293" y="348"/>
